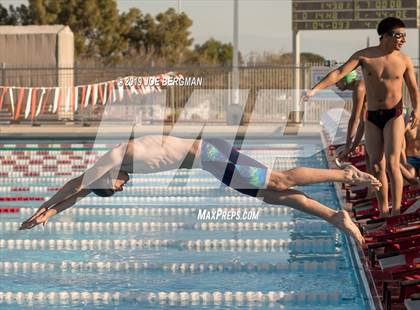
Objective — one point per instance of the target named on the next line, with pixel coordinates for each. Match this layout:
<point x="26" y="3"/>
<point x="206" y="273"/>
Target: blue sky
<point x="264" y="25"/>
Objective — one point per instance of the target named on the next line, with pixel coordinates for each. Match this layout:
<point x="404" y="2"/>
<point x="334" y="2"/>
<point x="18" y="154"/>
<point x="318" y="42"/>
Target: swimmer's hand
<point x="342" y="164"/>
<point x="41" y="216"/>
<point x="414" y="181"/>
<point x="343" y="153"/>
<point x="310" y="93"/>
<point x="414" y="120"/>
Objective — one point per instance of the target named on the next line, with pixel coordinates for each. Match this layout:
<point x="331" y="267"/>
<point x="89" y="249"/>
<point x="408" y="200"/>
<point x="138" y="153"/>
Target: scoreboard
<point x="351" y="14"/>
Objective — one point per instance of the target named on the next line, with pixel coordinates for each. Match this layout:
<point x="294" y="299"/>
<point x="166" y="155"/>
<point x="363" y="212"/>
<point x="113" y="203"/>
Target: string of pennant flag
<point x="33" y="101"/>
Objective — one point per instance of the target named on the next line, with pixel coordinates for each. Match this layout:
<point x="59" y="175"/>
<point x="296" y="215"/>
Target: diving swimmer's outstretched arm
<point x="76" y="188"/>
<point x="43" y="213"/>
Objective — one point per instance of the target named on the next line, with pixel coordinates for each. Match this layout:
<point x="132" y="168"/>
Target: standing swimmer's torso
<point x="383" y="74"/>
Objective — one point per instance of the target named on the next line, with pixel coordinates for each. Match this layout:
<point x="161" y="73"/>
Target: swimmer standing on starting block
<point x="151" y="154"/>
<point x="384" y="68"/>
<point x="355" y="127"/>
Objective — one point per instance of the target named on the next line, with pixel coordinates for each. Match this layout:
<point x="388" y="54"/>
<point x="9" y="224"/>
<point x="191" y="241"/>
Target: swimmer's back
<point x="156" y="153"/>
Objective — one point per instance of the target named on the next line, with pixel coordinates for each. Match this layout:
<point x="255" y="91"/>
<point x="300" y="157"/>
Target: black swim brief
<point x="232" y="167"/>
<point x="382" y="116"/>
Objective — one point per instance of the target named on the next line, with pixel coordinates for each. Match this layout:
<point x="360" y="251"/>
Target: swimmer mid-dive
<point x="151" y="154"/>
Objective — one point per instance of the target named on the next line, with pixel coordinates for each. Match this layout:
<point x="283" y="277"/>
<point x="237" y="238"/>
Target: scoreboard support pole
<point x="295" y="114"/>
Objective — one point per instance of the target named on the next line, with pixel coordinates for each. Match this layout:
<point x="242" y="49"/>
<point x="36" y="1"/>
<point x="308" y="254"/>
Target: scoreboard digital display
<point x="351" y="14"/>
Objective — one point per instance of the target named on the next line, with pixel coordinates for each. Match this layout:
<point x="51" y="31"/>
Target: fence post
<point x="418" y="65"/>
<point x="172" y="99"/>
<point x="76" y="74"/>
<point x="76" y="82"/>
<point x="3" y="74"/>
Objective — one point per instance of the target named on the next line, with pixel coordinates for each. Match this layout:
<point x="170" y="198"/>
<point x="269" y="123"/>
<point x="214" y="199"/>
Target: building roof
<point x="34" y="29"/>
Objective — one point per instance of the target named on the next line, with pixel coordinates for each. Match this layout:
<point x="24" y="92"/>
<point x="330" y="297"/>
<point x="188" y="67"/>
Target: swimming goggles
<point x="397" y="35"/>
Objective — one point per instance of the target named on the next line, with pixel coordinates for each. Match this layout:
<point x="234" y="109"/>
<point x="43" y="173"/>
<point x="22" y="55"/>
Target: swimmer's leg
<point x="371" y="193"/>
<point x="281" y="180"/>
<point x="375" y="149"/>
<point x="393" y="141"/>
<point x="300" y="201"/>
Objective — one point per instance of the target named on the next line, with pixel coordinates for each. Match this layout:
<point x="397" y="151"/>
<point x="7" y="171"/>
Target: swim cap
<point x="103" y="192"/>
<point x="352" y="76"/>
<point x="103" y="186"/>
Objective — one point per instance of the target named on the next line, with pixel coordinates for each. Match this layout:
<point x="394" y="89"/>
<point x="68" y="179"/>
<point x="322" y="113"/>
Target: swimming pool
<point x="147" y="248"/>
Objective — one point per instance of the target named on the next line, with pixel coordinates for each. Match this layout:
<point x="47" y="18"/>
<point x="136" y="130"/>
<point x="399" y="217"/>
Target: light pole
<point x="233" y="109"/>
<point x="235" y="60"/>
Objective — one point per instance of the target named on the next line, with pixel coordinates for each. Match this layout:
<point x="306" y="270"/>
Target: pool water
<point x="145" y="247"/>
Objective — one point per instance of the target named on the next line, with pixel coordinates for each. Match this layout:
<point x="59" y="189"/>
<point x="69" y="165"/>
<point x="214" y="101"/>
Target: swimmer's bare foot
<point x="385" y="212"/>
<point x="343" y="221"/>
<point x="395" y="212"/>
<point x="353" y="175"/>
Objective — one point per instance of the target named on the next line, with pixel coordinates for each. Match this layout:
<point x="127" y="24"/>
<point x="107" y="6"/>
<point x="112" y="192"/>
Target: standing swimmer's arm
<point x="358" y="137"/>
<point x="355" y="122"/>
<point x="410" y="80"/>
<point x="335" y="75"/>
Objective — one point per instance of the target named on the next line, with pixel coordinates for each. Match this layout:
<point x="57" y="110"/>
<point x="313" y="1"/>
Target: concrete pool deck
<point x="77" y="132"/>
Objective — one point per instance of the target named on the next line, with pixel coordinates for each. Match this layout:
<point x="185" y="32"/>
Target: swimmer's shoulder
<point x="405" y="59"/>
<point x="363" y="54"/>
<point x="366" y="52"/>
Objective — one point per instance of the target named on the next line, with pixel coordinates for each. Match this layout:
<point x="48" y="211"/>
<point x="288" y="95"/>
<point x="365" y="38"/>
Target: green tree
<point x="267" y="58"/>
<point x="4" y="16"/>
<point x="166" y="36"/>
<point x="96" y="24"/>
<point x="102" y="34"/>
<point x="19" y="15"/>
<point x="310" y="58"/>
<point x="213" y="52"/>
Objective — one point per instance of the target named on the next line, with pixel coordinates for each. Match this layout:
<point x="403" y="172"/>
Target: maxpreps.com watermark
<point x="160" y="81"/>
<point x="227" y="215"/>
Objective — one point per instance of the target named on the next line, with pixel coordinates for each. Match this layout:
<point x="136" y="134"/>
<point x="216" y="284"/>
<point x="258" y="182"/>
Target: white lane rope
<point x="59" y="181"/>
<point x="170" y="297"/>
<point x="180" y="267"/>
<point x="100" y="226"/>
<point x="189" y="200"/>
<point x="257" y="245"/>
<point x="158" y="211"/>
<point x="135" y="190"/>
<point x="23" y="174"/>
